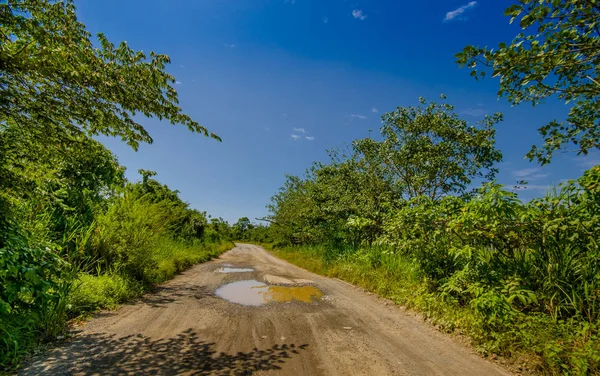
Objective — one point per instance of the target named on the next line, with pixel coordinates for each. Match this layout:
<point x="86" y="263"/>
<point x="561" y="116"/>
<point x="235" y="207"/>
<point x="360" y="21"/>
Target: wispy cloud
<point x="358" y="116"/>
<point x="291" y="1"/>
<point x="358" y="14"/>
<point x="588" y="161"/>
<point x="374" y="110"/>
<point x="178" y="82"/>
<point x="533" y="173"/>
<point x="533" y="187"/>
<point x="325" y="20"/>
<point x="300" y="134"/>
<point x="476" y="112"/>
<point x="456" y="13"/>
<point x="230" y="45"/>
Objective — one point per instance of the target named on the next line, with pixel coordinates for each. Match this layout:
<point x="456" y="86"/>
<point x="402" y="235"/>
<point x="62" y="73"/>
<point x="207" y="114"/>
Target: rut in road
<point x="185" y="328"/>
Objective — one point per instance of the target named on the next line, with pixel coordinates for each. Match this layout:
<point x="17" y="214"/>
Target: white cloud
<point x="177" y="82"/>
<point x="588" y="161"/>
<point x="309" y="138"/>
<point x="358" y="14"/>
<point x="374" y="110"/>
<point x="459" y="11"/>
<point x="230" y="45"/>
<point x="299" y="130"/>
<point x="295" y="137"/>
<point x="530" y="173"/>
<point x="325" y="20"/>
<point x="291" y="1"/>
<point x="525" y="172"/>
<point x="476" y="112"/>
<point x="358" y="116"/>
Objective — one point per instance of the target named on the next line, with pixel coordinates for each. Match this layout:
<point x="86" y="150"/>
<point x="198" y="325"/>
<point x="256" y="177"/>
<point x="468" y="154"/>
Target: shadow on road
<point x="138" y="355"/>
<point x="164" y="295"/>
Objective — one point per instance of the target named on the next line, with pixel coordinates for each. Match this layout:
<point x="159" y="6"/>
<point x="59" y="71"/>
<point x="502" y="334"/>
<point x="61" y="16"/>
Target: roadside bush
<point x="105" y="290"/>
<point x="128" y="231"/>
<point x="34" y="283"/>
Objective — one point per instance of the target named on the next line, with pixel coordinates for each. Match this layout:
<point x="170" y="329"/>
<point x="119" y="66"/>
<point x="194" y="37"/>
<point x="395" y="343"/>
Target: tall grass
<point x="47" y="278"/>
<point x="545" y="345"/>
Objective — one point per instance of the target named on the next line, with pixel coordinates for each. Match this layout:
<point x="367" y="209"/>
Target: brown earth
<point x="183" y="328"/>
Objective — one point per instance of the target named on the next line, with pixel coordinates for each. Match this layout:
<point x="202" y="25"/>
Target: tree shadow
<point x="164" y="295"/>
<point x="185" y="353"/>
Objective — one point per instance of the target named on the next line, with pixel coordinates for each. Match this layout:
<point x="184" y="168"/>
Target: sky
<point x="282" y="81"/>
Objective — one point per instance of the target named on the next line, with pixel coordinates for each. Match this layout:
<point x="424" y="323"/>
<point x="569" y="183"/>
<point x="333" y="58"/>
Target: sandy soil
<point x="183" y="328"/>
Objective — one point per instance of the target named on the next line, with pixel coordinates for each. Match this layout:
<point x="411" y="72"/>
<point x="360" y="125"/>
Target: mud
<point x="234" y="270"/>
<point x="255" y="293"/>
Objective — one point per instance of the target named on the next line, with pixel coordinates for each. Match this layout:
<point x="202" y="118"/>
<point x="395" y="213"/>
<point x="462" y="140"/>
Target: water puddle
<point x="234" y="270"/>
<point x="255" y="293"/>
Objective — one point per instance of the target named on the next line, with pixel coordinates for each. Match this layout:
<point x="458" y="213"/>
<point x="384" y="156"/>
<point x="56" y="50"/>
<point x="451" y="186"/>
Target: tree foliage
<point x="556" y="54"/>
<point x="428" y="150"/>
<point x="55" y="82"/>
<point x="56" y="89"/>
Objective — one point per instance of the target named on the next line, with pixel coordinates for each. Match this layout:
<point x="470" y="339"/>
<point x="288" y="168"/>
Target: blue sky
<point x="281" y="81"/>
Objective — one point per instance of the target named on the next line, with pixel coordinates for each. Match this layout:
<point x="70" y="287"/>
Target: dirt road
<point x="185" y="328"/>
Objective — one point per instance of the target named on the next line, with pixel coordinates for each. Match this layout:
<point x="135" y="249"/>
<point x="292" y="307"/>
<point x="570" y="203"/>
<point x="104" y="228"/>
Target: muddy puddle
<point x="255" y="293"/>
<point x="234" y="270"/>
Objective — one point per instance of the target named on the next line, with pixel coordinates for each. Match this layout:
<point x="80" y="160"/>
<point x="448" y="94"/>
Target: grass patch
<point x="104" y="291"/>
<point x="109" y="289"/>
<point x="174" y="257"/>
<point x="544" y="345"/>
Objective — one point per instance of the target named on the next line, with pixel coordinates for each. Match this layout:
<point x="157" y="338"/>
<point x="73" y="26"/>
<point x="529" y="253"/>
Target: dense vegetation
<point x="75" y="235"/>
<point x="398" y="215"/>
<point x="522" y="279"/>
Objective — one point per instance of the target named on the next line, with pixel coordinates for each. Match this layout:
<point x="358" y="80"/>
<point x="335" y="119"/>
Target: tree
<point x="57" y="88"/>
<point x="428" y="150"/>
<point x="241" y="227"/>
<point x="557" y="54"/>
<point x="56" y="83"/>
<point x="291" y="211"/>
<point x="349" y="198"/>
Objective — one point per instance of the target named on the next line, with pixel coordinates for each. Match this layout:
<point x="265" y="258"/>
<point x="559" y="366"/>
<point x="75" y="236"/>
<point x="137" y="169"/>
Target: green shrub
<point x="127" y="232"/>
<point x="18" y="334"/>
<point x="106" y="290"/>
